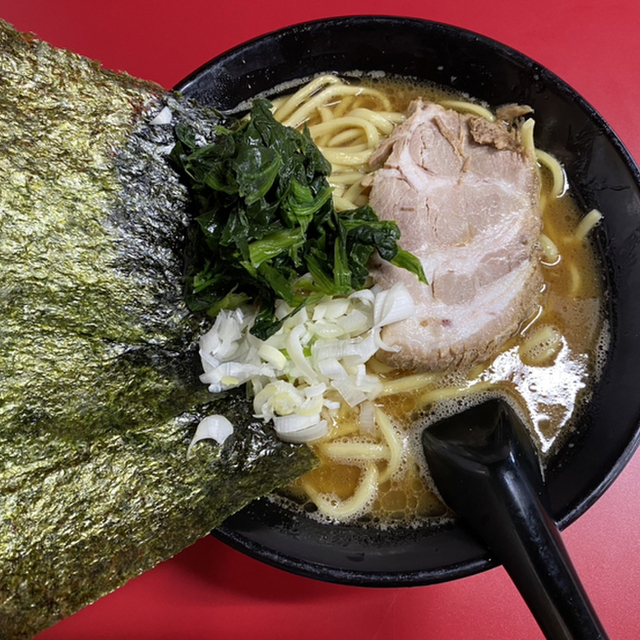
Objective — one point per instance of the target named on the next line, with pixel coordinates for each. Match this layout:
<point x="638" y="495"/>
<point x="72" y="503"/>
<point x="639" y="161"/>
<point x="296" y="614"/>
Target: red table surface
<point x="211" y="591"/>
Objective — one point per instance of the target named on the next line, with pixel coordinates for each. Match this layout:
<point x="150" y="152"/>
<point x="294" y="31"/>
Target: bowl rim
<point x="226" y="532"/>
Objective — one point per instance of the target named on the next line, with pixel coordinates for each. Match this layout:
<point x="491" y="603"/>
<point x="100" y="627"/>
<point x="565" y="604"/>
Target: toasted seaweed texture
<point x="99" y="388"/>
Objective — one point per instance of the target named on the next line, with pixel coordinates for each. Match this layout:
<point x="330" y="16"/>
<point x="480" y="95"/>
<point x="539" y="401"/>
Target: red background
<point x="210" y="591"/>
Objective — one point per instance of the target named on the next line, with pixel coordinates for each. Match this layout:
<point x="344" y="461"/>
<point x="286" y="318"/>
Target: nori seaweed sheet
<point x="99" y="388"/>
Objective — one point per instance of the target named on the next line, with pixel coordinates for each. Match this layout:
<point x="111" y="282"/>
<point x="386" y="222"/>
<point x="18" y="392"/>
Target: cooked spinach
<point x="266" y="224"/>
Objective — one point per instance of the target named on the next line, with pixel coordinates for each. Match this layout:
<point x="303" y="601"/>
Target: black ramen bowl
<point x="602" y="175"/>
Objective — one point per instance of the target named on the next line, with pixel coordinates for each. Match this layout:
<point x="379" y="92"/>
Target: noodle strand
<point x="348" y="122"/>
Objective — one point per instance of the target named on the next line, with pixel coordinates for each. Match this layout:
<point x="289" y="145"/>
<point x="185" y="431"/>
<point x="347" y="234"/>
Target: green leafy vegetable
<point x="266" y="219"/>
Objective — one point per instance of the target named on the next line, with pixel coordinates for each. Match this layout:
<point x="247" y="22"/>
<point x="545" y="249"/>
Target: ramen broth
<point x="544" y="371"/>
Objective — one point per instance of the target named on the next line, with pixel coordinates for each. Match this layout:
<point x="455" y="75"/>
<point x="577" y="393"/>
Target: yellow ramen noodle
<point x="373" y="470"/>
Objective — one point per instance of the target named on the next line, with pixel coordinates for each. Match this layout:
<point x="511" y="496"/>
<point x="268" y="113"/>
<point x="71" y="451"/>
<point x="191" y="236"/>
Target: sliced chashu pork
<point x="464" y="193"/>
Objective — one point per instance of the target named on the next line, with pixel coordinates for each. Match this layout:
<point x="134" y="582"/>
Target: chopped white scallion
<point x="272" y="355"/>
<point x="381" y="344"/>
<point x="164" y="116"/>
<point x="327" y="330"/>
<point x="367" y="295"/>
<point x="318" y="356"/>
<point x="282" y="310"/>
<point x="310" y="406"/>
<point x="318" y="312"/>
<point x="306" y="435"/>
<point x="354" y="322"/>
<point x="277" y="397"/>
<point x="294" y="422"/>
<point x="315" y="391"/>
<point x="393" y="305"/>
<point x="216" y="428"/>
<point x="336" y="308"/>
<point x="331" y="368"/>
<point x="350" y="393"/>
<point x="238" y="371"/>
<point x="296" y="353"/>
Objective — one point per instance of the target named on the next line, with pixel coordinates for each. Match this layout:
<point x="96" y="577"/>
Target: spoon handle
<point x="485" y="467"/>
<point x="527" y="542"/>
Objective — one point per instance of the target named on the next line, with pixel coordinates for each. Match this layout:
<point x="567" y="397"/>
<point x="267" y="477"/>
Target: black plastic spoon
<point x="485" y="466"/>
